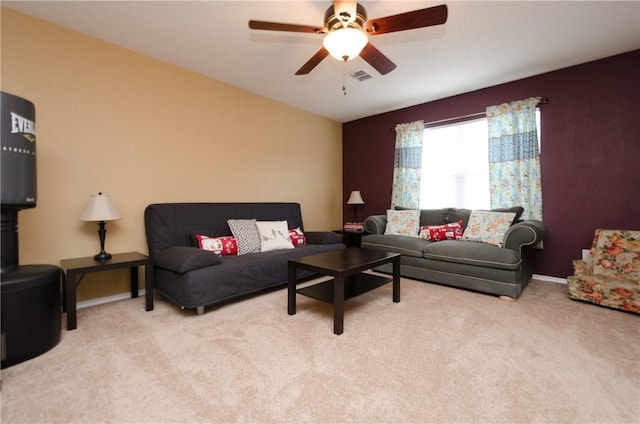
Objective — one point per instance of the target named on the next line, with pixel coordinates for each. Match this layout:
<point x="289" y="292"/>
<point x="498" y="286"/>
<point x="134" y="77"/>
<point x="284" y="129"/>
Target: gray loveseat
<point x="473" y="265"/>
<point x="195" y="278"/>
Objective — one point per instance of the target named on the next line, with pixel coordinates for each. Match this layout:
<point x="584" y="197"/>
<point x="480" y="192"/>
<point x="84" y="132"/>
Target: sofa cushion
<point x="488" y="227"/>
<point x="220" y="245"/>
<point x="518" y="210"/>
<point x="274" y="235"/>
<point x="441" y="232"/>
<point x="183" y="259"/>
<point x="431" y="216"/>
<point x="408" y="246"/>
<point x="246" y="233"/>
<point x="404" y="222"/>
<point x="322" y="237"/>
<point x="297" y="237"/>
<point x="457" y="214"/>
<point x="473" y="253"/>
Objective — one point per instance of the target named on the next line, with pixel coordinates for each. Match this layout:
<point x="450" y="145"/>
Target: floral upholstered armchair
<point x="612" y="275"/>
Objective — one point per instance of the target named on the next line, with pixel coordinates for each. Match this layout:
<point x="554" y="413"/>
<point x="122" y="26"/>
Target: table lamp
<point x="99" y="209"/>
<point x="355" y="199"/>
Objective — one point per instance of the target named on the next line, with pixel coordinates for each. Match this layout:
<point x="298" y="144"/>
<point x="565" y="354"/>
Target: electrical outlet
<point x="586" y="255"/>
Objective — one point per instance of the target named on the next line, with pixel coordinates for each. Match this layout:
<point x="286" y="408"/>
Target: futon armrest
<point x="183" y="259"/>
<point x="375" y="224"/>
<point x="524" y="233"/>
<point x="321" y="237"/>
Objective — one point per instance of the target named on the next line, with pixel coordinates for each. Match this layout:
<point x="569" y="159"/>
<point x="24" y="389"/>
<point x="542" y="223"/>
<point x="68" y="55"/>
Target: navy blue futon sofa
<point x="194" y="278"/>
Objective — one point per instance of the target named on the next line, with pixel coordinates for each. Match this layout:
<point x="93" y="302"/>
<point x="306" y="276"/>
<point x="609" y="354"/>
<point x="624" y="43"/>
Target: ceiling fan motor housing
<point x="333" y="21"/>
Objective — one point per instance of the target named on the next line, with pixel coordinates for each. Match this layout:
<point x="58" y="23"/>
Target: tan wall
<point x="144" y="131"/>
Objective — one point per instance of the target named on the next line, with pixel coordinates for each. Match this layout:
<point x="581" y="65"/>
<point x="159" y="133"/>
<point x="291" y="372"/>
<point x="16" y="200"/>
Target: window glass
<point x="455" y="168"/>
<point x="455" y="165"/>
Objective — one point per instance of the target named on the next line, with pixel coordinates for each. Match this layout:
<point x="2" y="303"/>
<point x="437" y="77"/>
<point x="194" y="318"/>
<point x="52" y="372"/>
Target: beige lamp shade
<point x="100" y="207"/>
<point x="355" y="198"/>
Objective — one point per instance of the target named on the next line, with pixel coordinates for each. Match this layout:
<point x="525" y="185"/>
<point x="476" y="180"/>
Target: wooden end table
<point x="351" y="238"/>
<point x="74" y="268"/>
<point x="346" y="267"/>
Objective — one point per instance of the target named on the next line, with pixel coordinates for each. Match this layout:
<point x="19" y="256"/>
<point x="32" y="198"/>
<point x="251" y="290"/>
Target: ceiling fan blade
<point x="430" y="16"/>
<point x="277" y="26"/>
<point x="313" y="62"/>
<point x="375" y="58"/>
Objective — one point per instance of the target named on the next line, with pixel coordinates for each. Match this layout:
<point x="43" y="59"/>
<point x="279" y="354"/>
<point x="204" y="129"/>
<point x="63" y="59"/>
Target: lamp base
<point x="102" y="256"/>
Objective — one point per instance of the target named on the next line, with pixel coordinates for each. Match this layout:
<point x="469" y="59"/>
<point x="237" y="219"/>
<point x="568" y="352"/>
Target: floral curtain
<point x="407" y="165"/>
<point x="514" y="157"/>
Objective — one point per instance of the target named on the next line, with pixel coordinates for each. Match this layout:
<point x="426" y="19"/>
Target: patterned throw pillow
<point x="246" y="234"/>
<point x="220" y="245"/>
<point x="488" y="227"/>
<point x="451" y="231"/>
<point x="403" y="222"/>
<point x="274" y="235"/>
<point x="297" y="237"/>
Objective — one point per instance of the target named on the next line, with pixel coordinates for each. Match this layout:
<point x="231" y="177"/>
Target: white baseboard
<point x="550" y="279"/>
<point x="108" y="299"/>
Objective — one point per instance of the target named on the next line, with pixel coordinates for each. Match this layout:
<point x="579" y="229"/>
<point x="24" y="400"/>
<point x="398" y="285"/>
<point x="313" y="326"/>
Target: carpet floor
<point x="441" y="355"/>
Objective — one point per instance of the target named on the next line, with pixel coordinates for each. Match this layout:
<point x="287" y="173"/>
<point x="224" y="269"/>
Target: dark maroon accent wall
<point x="590" y="151"/>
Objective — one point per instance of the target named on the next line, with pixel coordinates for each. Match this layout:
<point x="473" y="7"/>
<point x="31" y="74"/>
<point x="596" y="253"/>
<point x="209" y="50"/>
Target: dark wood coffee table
<point x="346" y="267"/>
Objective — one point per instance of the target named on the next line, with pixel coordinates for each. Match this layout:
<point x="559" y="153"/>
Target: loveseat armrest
<point x="524" y="233"/>
<point x="375" y="224"/>
<point x="321" y="237"/>
<point x="183" y="259"/>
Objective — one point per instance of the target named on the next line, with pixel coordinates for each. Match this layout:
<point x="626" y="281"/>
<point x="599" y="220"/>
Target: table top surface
<point x="345" y="260"/>
<point x="118" y="260"/>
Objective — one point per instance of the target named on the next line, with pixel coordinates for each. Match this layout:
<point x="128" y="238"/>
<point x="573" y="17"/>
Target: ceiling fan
<point x="346" y="30"/>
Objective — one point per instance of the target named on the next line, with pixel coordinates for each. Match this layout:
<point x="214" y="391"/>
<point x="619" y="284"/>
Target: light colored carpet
<point x="440" y="355"/>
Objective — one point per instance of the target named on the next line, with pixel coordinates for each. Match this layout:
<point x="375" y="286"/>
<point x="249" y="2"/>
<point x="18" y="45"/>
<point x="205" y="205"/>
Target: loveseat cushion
<point x="430" y="216"/>
<point x="183" y="259"/>
<point x="473" y="253"/>
<point x="458" y="214"/>
<point x="408" y="246"/>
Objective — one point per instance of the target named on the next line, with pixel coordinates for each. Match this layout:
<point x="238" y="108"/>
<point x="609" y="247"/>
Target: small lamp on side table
<point x="99" y="209"/>
<point x="355" y="199"/>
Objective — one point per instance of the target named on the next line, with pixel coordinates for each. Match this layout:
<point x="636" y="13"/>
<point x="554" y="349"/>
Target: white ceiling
<point x="482" y="44"/>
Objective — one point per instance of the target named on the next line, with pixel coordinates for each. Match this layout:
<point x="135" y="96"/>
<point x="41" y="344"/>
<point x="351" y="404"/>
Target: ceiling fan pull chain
<point x="344" y="77"/>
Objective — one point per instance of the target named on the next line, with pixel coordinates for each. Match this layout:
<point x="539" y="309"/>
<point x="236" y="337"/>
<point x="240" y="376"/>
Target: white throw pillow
<point x="403" y="222"/>
<point x="488" y="227"/>
<point x="246" y="233"/>
<point x="274" y="235"/>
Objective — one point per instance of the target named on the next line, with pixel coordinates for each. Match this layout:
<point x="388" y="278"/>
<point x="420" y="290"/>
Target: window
<point x="455" y="169"/>
<point x="455" y="165"/>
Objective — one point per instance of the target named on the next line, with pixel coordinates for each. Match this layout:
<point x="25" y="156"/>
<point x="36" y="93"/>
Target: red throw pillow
<point x="220" y="245"/>
<point x="297" y="237"/>
<point x="441" y="232"/>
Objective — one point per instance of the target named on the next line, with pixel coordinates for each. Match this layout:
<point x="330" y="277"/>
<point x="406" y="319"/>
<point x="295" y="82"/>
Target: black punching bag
<point x="18" y="167"/>
<point x="30" y="294"/>
<point x="19" y="180"/>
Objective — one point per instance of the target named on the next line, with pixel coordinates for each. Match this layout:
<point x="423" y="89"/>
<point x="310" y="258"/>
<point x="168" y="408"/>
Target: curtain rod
<point x="541" y="101"/>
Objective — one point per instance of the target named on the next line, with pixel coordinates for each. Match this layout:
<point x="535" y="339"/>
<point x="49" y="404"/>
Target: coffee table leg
<point x="338" y="305"/>
<point x="291" y="290"/>
<point x="396" y="280"/>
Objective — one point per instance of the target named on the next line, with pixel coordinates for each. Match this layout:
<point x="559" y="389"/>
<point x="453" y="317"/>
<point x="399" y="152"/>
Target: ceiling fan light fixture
<point x="345" y="43"/>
